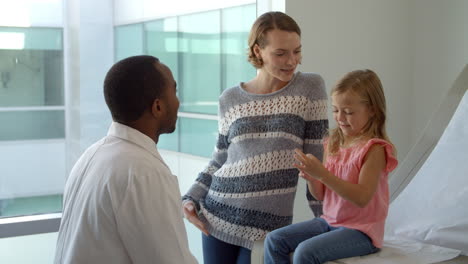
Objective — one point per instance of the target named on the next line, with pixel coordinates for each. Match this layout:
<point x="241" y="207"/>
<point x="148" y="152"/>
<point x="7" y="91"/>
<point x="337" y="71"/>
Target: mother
<point x="248" y="188"/>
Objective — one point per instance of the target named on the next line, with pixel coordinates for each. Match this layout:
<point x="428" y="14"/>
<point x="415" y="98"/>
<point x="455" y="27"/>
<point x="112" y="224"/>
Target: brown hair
<point x="367" y="85"/>
<point x="265" y="23"/>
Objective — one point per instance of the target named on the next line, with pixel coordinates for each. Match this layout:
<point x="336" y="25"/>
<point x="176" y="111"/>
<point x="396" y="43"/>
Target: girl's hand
<point x="191" y="214"/>
<point x="305" y="176"/>
<point x="309" y="166"/>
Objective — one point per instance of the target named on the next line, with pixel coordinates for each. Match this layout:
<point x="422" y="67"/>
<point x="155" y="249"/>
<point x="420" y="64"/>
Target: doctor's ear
<point x="156" y="107"/>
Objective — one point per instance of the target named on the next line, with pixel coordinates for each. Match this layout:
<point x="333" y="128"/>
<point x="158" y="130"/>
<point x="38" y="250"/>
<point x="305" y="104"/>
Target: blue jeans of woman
<point x="216" y="251"/>
<point x="315" y="241"/>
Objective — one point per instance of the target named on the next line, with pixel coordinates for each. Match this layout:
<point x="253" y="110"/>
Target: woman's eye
<point x="279" y="54"/>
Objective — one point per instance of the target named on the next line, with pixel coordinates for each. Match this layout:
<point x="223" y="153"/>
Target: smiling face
<point x="281" y="54"/>
<point x="350" y="113"/>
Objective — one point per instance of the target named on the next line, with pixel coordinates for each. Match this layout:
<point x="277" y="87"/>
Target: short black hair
<point x="131" y="86"/>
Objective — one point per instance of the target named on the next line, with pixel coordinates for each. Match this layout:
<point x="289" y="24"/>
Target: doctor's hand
<point x="191" y="214"/>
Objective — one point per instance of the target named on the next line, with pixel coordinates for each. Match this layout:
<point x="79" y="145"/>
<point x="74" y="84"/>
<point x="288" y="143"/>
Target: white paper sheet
<point x="434" y="206"/>
<point x="400" y="251"/>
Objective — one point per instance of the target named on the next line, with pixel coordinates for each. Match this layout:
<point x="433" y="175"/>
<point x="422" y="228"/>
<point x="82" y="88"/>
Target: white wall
<point x="340" y="36"/>
<point x="127" y="12"/>
<point x="417" y="47"/>
<point x="25" y="13"/>
<point x="440" y="52"/>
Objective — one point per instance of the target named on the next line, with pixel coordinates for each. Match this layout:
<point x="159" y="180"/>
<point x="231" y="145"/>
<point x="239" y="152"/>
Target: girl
<point x="352" y="182"/>
<point x="248" y="188"/>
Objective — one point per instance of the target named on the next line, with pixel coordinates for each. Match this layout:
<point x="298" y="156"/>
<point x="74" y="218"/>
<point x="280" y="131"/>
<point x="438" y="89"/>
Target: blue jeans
<point x="315" y="241"/>
<point x="216" y="251"/>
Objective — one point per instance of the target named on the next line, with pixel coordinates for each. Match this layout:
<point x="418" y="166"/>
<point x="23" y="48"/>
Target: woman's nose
<point x="292" y="59"/>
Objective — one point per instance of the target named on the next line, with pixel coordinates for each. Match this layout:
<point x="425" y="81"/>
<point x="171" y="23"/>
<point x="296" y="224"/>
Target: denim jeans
<point x="315" y="241"/>
<point x="216" y="251"/>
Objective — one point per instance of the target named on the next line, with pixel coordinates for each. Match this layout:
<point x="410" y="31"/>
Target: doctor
<point x="121" y="201"/>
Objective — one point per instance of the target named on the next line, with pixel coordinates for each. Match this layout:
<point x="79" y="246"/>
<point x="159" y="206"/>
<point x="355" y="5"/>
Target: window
<point x="207" y="53"/>
<point x="32" y="114"/>
<point x="52" y="108"/>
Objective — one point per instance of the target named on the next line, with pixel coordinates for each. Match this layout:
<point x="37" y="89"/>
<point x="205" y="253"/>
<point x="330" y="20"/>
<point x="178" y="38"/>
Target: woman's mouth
<point x="287" y="70"/>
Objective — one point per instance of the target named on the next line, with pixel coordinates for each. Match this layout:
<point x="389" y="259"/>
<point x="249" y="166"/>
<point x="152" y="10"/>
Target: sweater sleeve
<point x="316" y="129"/>
<point x="202" y="183"/>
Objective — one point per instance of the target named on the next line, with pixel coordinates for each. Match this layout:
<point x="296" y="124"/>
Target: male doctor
<point x="121" y="202"/>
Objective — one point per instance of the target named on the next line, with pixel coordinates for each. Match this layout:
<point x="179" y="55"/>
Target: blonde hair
<point x="367" y="85"/>
<point x="265" y="23"/>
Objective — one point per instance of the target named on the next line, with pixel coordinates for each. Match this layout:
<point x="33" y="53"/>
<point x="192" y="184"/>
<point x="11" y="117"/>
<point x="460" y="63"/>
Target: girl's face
<point x="281" y="55"/>
<point x="350" y="113"/>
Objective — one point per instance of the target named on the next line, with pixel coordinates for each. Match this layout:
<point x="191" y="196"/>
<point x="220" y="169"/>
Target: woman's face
<point x="281" y="55"/>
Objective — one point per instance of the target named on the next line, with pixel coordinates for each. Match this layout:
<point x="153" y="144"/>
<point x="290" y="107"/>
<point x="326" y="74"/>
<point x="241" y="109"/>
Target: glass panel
<point x="40" y="164"/>
<point x="31" y="205"/>
<point x="200" y="62"/>
<point x="198" y="136"/>
<point x="31" y="78"/>
<point x="170" y="141"/>
<point x="31" y="38"/>
<point x="32" y="125"/>
<point x="236" y="23"/>
<point x="32" y="145"/>
<point x="162" y="42"/>
<point x="128" y="41"/>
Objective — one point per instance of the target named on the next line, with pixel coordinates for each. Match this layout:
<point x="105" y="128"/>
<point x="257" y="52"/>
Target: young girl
<point x="352" y="182"/>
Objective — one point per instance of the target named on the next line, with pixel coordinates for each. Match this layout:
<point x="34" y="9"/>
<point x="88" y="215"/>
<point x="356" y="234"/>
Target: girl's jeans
<point x="315" y="242"/>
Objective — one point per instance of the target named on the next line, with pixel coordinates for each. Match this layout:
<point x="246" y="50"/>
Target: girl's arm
<point x="361" y="193"/>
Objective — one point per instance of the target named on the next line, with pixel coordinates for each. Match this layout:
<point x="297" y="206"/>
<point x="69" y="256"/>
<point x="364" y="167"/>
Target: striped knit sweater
<point x="248" y="188"/>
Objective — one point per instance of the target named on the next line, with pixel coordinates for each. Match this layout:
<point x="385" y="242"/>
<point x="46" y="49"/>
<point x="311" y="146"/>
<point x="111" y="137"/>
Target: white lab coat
<point x="122" y="205"/>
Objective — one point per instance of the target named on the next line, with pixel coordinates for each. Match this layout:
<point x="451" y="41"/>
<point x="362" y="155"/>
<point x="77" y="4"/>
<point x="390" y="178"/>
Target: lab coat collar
<point x="130" y="134"/>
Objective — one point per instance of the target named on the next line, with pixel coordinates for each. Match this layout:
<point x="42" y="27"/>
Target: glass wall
<point x="207" y="53"/>
<point x="32" y="114"/>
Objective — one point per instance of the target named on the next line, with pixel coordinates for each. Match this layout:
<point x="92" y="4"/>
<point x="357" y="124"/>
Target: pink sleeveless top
<point x="346" y="164"/>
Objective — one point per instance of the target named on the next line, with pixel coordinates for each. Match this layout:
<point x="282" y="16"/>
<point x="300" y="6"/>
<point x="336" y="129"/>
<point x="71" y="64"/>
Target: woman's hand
<point x="309" y="166"/>
<point x="191" y="214"/>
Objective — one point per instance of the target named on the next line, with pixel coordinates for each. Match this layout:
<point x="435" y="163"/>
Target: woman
<point x="248" y="188"/>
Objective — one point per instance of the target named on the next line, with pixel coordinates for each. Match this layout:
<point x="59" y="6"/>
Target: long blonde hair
<point x="367" y="85"/>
